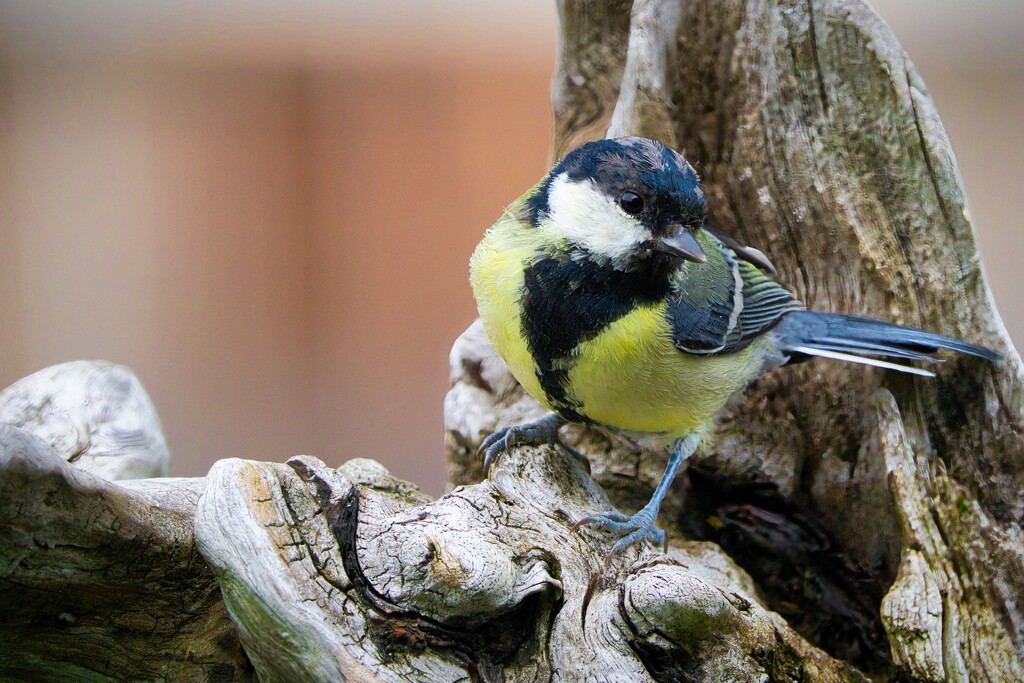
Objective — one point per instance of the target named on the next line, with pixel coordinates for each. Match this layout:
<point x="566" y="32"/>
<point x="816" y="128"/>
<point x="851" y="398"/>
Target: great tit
<point x="614" y="304"/>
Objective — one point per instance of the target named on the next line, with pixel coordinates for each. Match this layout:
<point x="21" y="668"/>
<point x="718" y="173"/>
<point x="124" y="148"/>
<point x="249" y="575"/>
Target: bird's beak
<point x="681" y="242"/>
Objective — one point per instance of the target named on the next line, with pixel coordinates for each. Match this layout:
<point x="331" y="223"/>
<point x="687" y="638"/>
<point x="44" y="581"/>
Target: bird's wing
<point x="724" y="304"/>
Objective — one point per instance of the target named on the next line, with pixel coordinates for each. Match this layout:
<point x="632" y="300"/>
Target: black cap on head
<point x="663" y="179"/>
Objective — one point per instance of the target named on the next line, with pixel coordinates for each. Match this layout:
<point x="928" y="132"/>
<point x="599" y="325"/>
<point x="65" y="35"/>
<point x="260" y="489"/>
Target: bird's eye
<point x="631" y="203"/>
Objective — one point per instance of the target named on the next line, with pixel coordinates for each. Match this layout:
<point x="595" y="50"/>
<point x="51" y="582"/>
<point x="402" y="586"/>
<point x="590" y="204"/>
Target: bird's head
<point x="628" y="200"/>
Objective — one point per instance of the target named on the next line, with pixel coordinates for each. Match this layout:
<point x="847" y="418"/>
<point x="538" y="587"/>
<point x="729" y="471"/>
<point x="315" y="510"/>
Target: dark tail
<point x="846" y="337"/>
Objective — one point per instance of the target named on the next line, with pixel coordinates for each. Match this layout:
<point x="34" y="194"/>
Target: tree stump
<point x="848" y="524"/>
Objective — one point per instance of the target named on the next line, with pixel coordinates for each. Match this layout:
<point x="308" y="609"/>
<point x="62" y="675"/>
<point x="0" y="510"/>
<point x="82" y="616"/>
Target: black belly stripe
<point x="570" y="301"/>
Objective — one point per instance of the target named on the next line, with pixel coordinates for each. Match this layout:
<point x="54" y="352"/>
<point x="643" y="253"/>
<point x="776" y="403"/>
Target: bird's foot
<point x="540" y="432"/>
<point x="630" y="530"/>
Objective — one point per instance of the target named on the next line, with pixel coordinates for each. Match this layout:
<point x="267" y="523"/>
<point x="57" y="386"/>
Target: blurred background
<point x="266" y="208"/>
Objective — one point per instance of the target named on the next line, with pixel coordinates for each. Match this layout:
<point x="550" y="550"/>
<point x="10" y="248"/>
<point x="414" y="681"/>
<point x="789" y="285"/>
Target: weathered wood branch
<point x="847" y="523"/>
<point x="94" y="414"/>
<point x="100" y="580"/>
<point x="350" y="574"/>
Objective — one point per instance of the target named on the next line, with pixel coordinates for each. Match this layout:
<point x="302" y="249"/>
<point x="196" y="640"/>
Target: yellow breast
<point x="630" y="376"/>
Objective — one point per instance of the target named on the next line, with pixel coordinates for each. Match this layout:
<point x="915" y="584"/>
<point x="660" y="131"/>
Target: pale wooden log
<point x="644" y="104"/>
<point x="351" y="574"/>
<point x="100" y="580"/>
<point x="94" y="414"/>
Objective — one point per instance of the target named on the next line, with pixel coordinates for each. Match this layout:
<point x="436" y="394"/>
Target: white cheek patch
<point x="581" y="213"/>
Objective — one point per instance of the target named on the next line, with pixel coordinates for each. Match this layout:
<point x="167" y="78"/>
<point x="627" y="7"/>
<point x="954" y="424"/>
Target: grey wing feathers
<point x="723" y="307"/>
<point x="765" y="301"/>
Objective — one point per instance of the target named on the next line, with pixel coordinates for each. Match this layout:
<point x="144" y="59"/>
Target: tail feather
<point x="865" y="347"/>
<point x="808" y="333"/>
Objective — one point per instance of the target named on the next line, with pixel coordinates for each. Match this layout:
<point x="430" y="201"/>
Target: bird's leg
<point x="632" y="530"/>
<point x="539" y="432"/>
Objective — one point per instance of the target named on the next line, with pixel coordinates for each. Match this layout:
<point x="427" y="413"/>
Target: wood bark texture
<point x="847" y="525"/>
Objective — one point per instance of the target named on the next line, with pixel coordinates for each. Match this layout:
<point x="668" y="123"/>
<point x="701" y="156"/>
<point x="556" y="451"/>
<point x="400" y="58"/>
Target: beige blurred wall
<point x="278" y="246"/>
<point x="407" y="169"/>
<point x="983" y="111"/>
<point x="280" y="253"/>
<point x="160" y="223"/>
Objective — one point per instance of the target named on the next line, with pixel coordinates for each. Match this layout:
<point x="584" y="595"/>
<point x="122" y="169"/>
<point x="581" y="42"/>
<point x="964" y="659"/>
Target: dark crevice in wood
<point x="822" y="91"/>
<point x="797" y="568"/>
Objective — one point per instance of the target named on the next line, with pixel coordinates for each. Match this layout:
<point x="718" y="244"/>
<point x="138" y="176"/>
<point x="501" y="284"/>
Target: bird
<point x="615" y="304"/>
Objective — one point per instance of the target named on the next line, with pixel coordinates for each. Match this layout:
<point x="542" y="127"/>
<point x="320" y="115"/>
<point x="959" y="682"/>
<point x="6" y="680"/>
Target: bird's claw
<point x="496" y="444"/>
<point x="630" y="530"/>
<point x="540" y="432"/>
